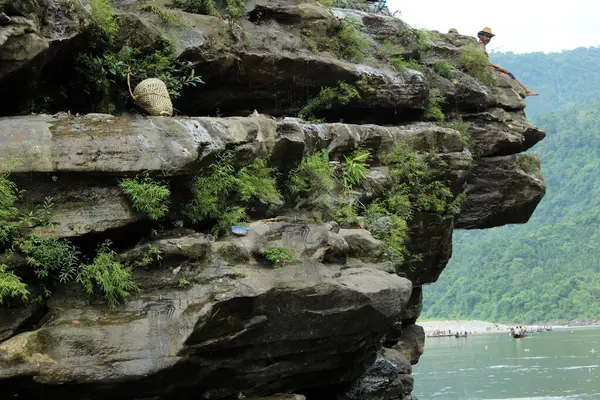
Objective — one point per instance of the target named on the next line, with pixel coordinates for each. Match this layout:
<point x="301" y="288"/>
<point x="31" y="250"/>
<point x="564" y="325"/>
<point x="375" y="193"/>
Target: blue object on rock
<point x="239" y="230"/>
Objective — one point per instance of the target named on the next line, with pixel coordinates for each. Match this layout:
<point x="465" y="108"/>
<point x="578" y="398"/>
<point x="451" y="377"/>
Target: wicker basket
<point x="152" y="95"/>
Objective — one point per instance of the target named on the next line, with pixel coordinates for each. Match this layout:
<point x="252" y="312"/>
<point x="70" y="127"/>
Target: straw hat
<point x="486" y="31"/>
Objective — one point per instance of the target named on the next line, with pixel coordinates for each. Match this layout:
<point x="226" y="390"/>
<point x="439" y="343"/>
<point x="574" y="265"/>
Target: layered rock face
<point x="213" y="320"/>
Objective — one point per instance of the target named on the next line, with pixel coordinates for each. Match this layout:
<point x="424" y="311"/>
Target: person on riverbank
<point x="485" y="36"/>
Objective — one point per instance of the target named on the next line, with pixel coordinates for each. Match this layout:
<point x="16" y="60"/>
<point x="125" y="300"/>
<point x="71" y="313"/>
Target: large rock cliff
<point x="333" y="314"/>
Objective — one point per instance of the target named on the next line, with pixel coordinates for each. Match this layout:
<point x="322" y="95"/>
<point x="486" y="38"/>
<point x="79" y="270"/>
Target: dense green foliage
<point x="435" y="100"/>
<point x="223" y="193"/>
<point x="342" y="94"/>
<point x="547" y="269"/>
<point x="345" y="39"/>
<point x="11" y="285"/>
<point x="313" y="176"/>
<point x="279" y="256"/>
<point x="413" y="189"/>
<point x="107" y="275"/>
<point x="562" y="79"/>
<point x="51" y="257"/>
<point x="211" y="7"/>
<point x="476" y="63"/>
<point x="147" y="196"/>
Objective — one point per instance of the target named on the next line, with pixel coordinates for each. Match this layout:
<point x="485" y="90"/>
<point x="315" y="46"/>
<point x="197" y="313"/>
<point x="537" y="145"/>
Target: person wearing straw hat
<point x="485" y="36"/>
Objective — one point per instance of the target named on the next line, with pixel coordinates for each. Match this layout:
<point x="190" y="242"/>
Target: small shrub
<point x="349" y="42"/>
<point x="327" y="97"/>
<point x="103" y="17"/>
<point x="528" y="163"/>
<point x="462" y="126"/>
<point x="444" y="68"/>
<point x="9" y="213"/>
<point x="313" y="176"/>
<point x="209" y="7"/>
<point x="152" y="255"/>
<point x="277" y="255"/>
<point x="308" y="40"/>
<point x="12" y="220"/>
<point x="388" y="49"/>
<point x="143" y="64"/>
<point x="183" y="282"/>
<point x="222" y="193"/>
<point x="345" y="210"/>
<point x="475" y="62"/>
<point x="147" y="196"/>
<point x="413" y="183"/>
<point x="423" y="37"/>
<point x="108" y="276"/>
<point x="401" y="64"/>
<point x="167" y="17"/>
<point x="389" y="227"/>
<point x="51" y="256"/>
<point x="355" y="168"/>
<point x="255" y="181"/>
<point x="433" y="111"/>
<point x="11" y="285"/>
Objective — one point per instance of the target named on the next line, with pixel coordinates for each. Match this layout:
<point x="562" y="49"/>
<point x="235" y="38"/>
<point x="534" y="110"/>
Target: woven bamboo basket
<point x="153" y="97"/>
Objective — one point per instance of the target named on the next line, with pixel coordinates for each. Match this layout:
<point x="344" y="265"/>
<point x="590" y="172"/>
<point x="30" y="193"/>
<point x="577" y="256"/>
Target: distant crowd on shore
<point x="448" y="332"/>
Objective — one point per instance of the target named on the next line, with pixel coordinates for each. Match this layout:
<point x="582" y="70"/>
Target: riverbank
<point x="470" y="326"/>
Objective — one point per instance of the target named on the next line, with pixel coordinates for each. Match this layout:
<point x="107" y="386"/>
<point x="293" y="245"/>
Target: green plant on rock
<point x="413" y="188"/>
<point x="414" y="184"/>
<point x="149" y="257"/>
<point x="144" y="63"/>
<point x="355" y="168"/>
<point x="147" y="195"/>
<point x="354" y="171"/>
<point x="211" y="7"/>
<point x="313" y="177"/>
<point x="107" y="275"/>
<point x="350" y="43"/>
<point x="223" y="194"/>
<point x="400" y="64"/>
<point x="389" y="227"/>
<point x="103" y="19"/>
<point x="182" y="282"/>
<point x="388" y="49"/>
<point x="444" y="68"/>
<point x="277" y="255"/>
<point x="12" y="220"/>
<point x="167" y="17"/>
<point x="476" y="63"/>
<point x="9" y="213"/>
<point x="528" y="163"/>
<point x="433" y="111"/>
<point x="11" y="285"/>
<point x="51" y="257"/>
<point x="327" y="97"/>
<point x="462" y="127"/>
<point x="255" y="181"/>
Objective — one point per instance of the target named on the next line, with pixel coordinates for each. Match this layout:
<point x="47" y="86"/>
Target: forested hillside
<point x="549" y="268"/>
<point x="569" y="77"/>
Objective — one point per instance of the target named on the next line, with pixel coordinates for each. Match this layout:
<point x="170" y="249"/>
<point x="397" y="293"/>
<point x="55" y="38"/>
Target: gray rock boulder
<point x="387" y="379"/>
<point x="412" y="342"/>
<point x="502" y="190"/>
<point x="265" y="333"/>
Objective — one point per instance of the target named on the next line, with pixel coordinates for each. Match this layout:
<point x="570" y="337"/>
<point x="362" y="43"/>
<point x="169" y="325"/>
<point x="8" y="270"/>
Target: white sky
<point x="521" y="26"/>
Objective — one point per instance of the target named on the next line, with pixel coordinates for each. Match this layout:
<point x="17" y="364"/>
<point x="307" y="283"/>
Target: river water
<point x="561" y="364"/>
